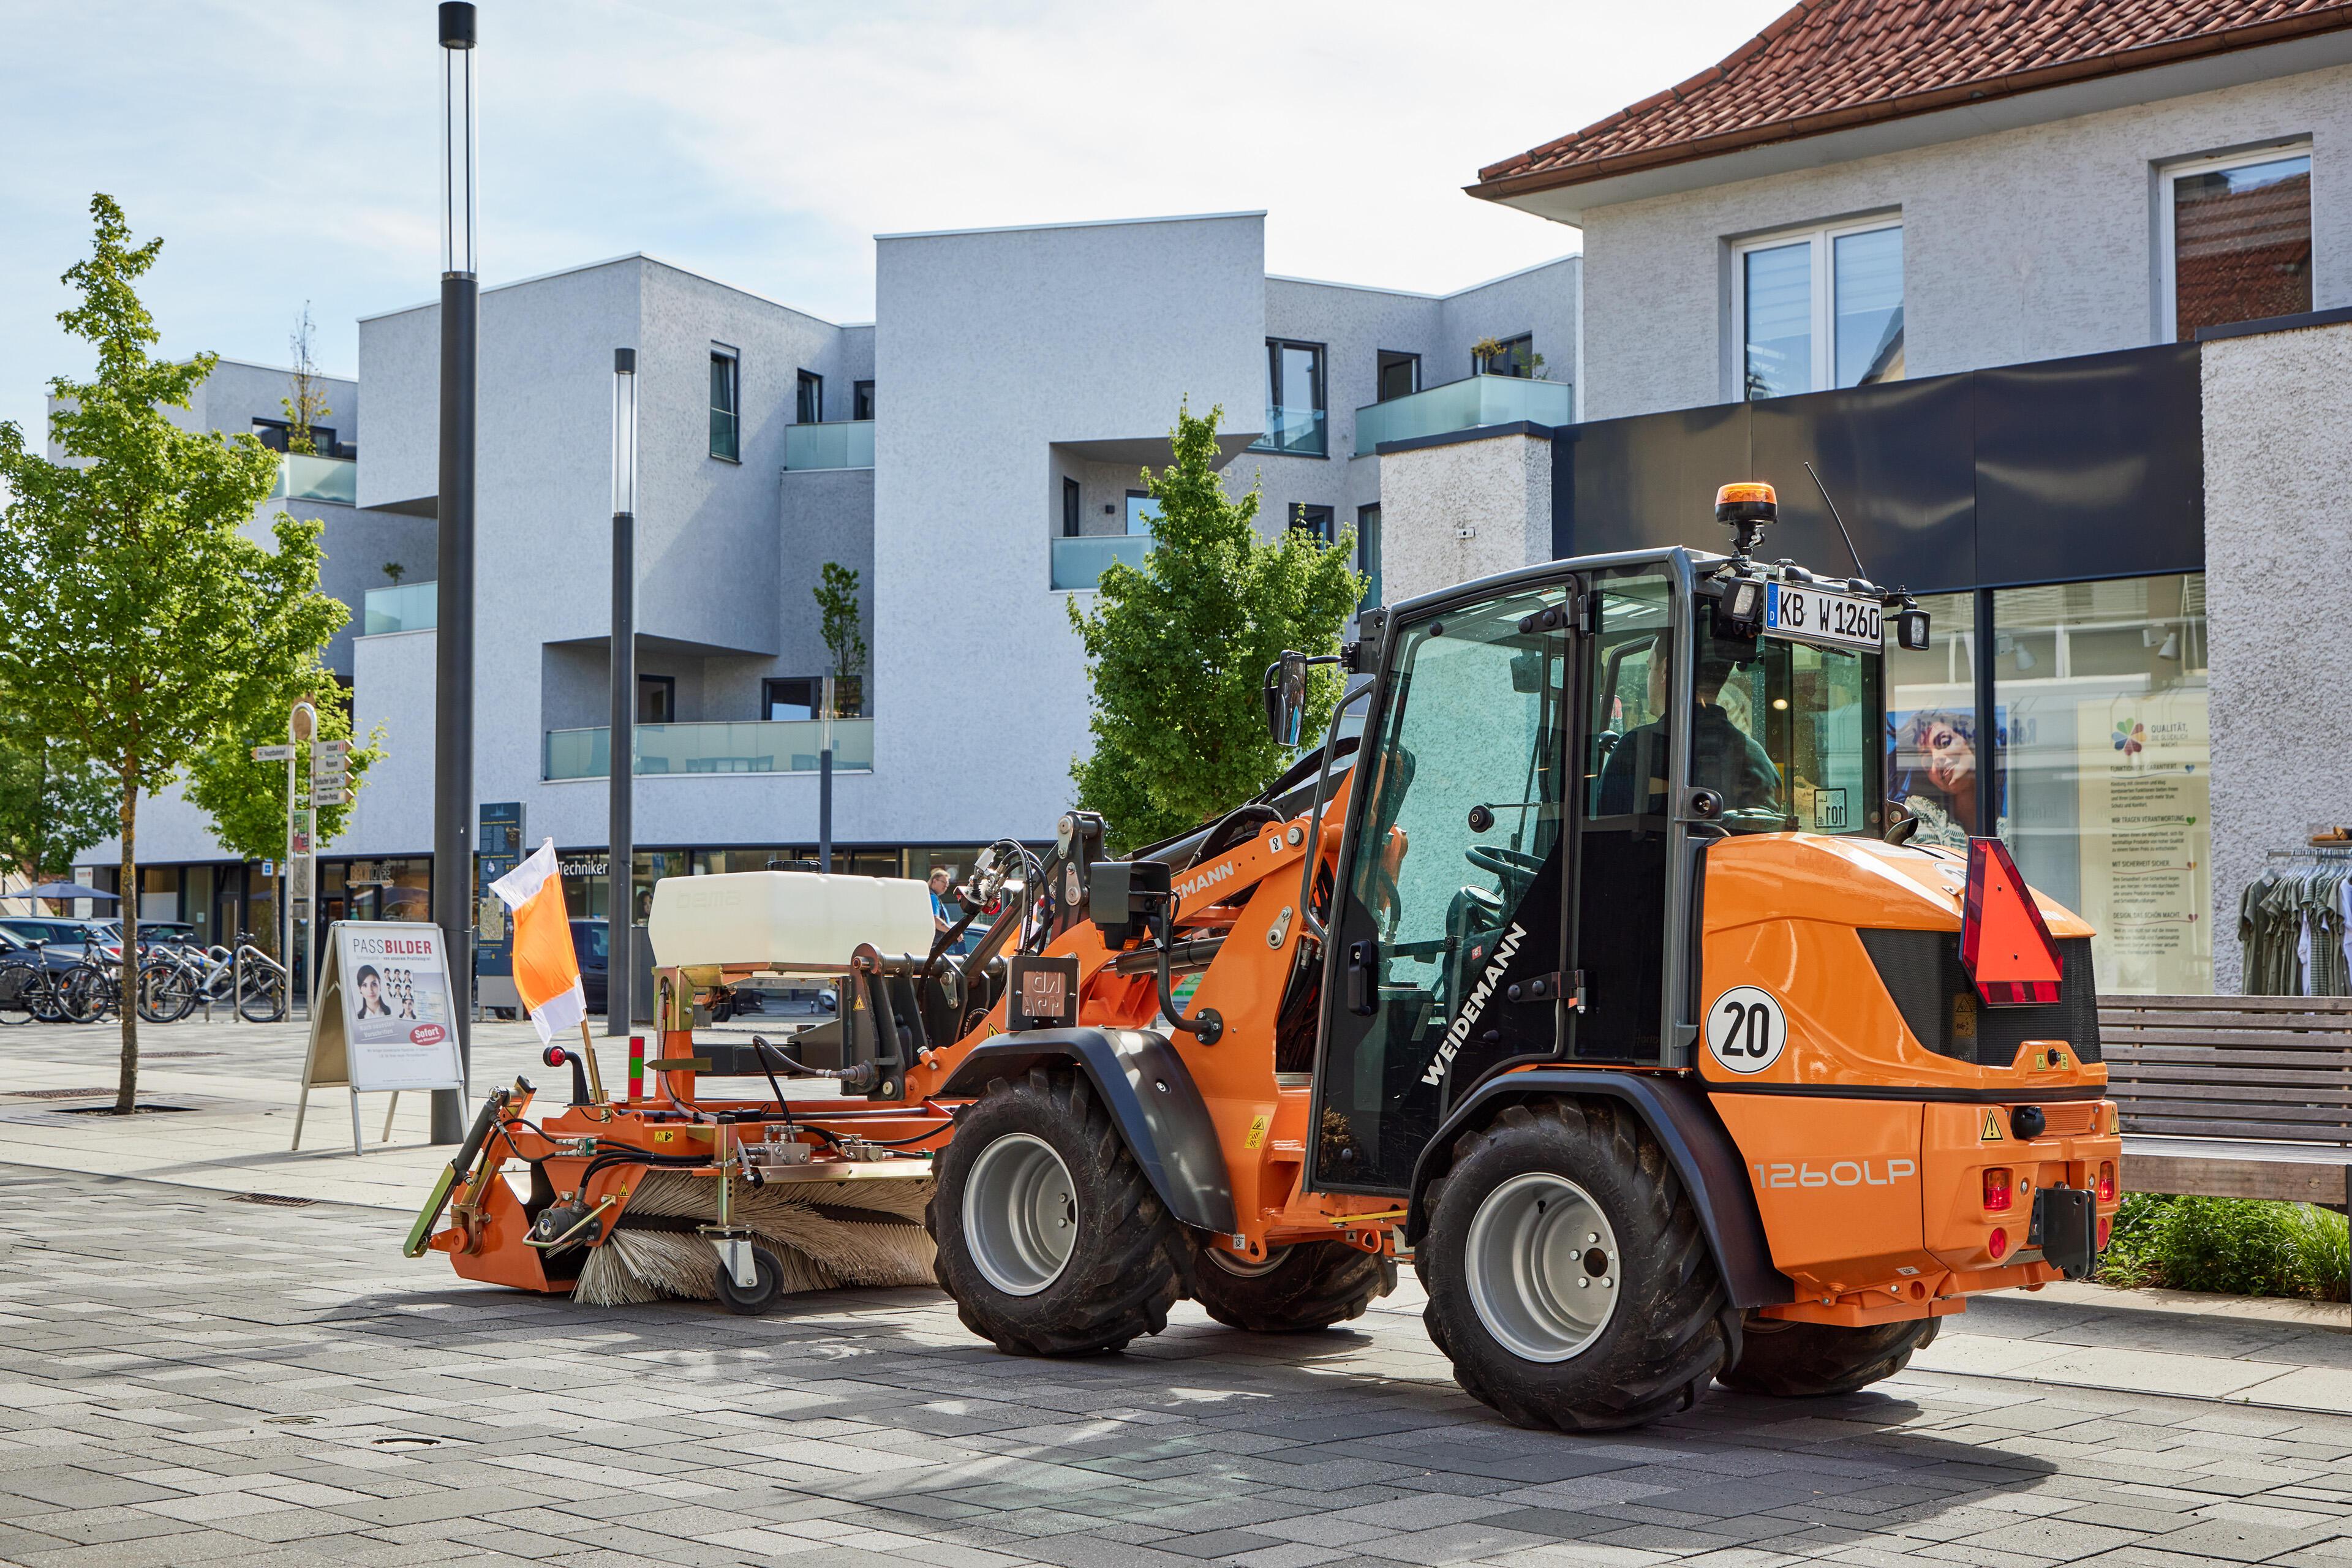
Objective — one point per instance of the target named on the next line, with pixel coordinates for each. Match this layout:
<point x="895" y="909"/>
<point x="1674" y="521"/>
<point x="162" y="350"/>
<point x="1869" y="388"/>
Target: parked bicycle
<point x="32" y="989"/>
<point x="174" y="983"/>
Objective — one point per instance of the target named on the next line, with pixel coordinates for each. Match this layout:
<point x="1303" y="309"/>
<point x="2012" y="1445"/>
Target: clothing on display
<point x="2295" y="922"/>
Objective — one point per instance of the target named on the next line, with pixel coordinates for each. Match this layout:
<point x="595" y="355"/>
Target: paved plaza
<point x="190" y="1376"/>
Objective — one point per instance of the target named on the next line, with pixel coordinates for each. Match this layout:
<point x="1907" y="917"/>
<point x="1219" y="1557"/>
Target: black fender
<point x="1151" y="1098"/>
<point x="1685" y="1124"/>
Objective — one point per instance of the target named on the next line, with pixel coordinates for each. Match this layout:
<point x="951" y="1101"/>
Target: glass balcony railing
<point x="1079" y="563"/>
<point x="844" y="443"/>
<point x="318" y="479"/>
<point x="1463" y="405"/>
<point x="1296" y="432"/>
<point x="408" y="607"/>
<point x="745" y="746"/>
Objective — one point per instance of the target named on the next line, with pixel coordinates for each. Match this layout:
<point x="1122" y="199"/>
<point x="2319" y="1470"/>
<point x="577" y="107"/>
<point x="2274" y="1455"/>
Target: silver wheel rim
<point x="1020" y="1213"/>
<point x="1241" y="1267"/>
<point x="1542" y="1265"/>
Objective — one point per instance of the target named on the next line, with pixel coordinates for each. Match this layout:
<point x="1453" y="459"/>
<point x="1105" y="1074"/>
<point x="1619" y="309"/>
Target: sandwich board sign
<point x="385" y="1019"/>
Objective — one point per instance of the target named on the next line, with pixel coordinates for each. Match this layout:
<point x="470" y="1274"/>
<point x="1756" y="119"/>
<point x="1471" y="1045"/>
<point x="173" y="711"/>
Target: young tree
<point x="53" y="806"/>
<point x="1179" y="647"/>
<point x="837" y="605"/>
<point x="308" y="404"/>
<point x="141" y="621"/>
<point x="247" y="800"/>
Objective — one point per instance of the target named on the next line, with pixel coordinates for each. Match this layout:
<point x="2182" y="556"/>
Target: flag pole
<point x="595" y="1078"/>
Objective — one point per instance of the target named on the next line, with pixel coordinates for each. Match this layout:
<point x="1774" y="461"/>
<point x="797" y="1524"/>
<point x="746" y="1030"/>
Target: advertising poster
<point x="2146" y="828"/>
<point x="1931" y="772"/>
<point x="398" y="1024"/>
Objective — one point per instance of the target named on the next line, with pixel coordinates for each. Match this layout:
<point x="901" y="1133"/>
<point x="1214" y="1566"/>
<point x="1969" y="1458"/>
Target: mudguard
<point x="1678" y="1115"/>
<point x="1150" y="1096"/>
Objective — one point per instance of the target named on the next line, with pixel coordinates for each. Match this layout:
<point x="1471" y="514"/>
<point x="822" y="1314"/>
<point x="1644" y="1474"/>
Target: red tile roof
<point x="1825" y="65"/>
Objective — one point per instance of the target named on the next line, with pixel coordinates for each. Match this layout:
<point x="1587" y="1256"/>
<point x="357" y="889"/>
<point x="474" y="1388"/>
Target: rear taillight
<point x="2106" y="1227"/>
<point x="1997" y="1244"/>
<point x="1996" y="1192"/>
<point x="2106" y="1188"/>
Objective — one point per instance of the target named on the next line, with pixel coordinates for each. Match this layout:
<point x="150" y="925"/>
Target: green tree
<point x="53" y="806"/>
<point x="142" y="621"/>
<point x="247" y="800"/>
<point x="308" y="404"/>
<point x="837" y="624"/>
<point x="1178" y="649"/>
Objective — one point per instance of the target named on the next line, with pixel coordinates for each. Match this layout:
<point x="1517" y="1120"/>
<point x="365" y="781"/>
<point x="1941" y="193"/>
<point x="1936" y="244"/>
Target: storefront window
<point x="1931" y="724"/>
<point x="2101" y="692"/>
<point x="395" y="888"/>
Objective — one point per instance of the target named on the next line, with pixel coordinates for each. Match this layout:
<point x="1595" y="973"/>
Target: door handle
<point x="1364" y="977"/>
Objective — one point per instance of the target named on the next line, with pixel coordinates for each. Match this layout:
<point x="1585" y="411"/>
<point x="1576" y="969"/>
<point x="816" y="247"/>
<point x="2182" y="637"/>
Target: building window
<point x="1294" y="400"/>
<point x="2236" y="242"/>
<point x="861" y="400"/>
<point x="1142" y="512"/>
<point x="1399" y="376"/>
<point x="657" y="699"/>
<point x="1368" y="552"/>
<point x="1312" y="521"/>
<point x="808" y="399"/>
<point x="1070" y="525"/>
<point x="1820" y="309"/>
<point x="1504" y="356"/>
<point x="726" y="404"/>
<point x="791" y="699"/>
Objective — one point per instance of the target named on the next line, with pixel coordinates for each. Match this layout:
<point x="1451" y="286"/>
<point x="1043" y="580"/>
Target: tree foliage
<point x="1178" y="649"/>
<point x="53" y="806"/>
<point x="308" y="404"/>
<point x="246" y="800"/>
<point x="142" y="621"/>
<point x="837" y="624"/>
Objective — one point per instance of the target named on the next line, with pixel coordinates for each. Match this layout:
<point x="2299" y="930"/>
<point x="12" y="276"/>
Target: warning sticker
<point x="1257" y="1134"/>
<point x="1991" y="1133"/>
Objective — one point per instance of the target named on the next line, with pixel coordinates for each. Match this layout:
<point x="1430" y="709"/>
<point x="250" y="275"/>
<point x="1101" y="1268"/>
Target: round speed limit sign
<point x="1746" y="1030"/>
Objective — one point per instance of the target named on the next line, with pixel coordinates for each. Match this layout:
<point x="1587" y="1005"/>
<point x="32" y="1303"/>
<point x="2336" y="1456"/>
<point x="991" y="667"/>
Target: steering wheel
<point x="1512" y="865"/>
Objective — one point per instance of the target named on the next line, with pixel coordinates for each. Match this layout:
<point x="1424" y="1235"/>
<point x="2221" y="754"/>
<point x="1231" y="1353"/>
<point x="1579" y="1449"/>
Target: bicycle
<point x="247" y="977"/>
<point x="30" y="990"/>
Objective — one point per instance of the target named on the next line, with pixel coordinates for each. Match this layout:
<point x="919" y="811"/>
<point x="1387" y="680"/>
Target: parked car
<point x="591" y="945"/>
<point x="60" y="932"/>
<point x="55" y="960"/>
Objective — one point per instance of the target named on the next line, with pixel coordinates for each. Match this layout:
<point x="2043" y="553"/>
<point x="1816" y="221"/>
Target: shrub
<point x="2238" y="1247"/>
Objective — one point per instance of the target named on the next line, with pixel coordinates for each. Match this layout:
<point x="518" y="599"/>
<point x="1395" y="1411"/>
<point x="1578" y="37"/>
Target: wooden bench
<point x="2233" y="1097"/>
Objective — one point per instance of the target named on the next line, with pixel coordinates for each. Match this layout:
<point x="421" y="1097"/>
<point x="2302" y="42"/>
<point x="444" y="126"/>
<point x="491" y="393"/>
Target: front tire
<point x="767" y="1287"/>
<point x="1297" y="1289"/>
<point x="1050" y="1238"/>
<point x="1796" y="1361"/>
<point x="1570" y="1280"/>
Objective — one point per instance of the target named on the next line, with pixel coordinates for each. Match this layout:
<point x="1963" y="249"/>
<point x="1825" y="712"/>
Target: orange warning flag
<point x="546" y="970"/>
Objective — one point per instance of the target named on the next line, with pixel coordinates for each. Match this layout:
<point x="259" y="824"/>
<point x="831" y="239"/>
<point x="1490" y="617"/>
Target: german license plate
<point x="1793" y="610"/>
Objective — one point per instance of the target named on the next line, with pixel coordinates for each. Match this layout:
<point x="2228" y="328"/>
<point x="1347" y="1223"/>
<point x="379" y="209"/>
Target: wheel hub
<point x="1020" y="1213"/>
<point x="1542" y="1266"/>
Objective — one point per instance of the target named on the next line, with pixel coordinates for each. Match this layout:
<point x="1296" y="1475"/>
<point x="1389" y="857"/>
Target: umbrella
<point x="64" y="890"/>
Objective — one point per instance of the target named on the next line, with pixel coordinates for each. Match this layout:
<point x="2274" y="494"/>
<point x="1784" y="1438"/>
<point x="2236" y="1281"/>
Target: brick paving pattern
<point x="187" y="1379"/>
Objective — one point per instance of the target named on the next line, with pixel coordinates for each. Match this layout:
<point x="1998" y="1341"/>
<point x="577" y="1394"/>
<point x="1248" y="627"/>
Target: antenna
<point x="1850" y="550"/>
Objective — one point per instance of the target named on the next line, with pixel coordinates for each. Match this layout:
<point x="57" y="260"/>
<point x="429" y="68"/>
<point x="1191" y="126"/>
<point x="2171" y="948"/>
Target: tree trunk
<point x="126" y="1093"/>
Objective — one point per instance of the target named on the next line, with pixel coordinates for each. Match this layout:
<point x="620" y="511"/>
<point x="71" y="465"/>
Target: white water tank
<point x="792" y="920"/>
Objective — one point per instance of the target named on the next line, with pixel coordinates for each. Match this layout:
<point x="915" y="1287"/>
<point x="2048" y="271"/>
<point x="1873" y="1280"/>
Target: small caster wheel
<point x="761" y="1295"/>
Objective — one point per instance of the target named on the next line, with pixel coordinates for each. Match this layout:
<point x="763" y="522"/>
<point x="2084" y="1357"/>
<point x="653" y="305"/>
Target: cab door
<point x="1446" y="944"/>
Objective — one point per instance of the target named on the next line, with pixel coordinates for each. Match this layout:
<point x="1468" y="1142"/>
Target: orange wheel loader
<point x="1593" y="974"/>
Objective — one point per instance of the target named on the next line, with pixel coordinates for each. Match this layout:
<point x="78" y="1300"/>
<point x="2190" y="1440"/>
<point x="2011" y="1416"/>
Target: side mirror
<point x="1286" y="697"/>
<point x="1911" y="631"/>
<point x="1122" y="895"/>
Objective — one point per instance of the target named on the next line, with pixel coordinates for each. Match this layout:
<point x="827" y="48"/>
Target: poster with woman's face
<point x="1931" y="772"/>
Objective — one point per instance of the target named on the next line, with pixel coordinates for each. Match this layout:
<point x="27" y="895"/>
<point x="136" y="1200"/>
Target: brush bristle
<point x="816" y="1251"/>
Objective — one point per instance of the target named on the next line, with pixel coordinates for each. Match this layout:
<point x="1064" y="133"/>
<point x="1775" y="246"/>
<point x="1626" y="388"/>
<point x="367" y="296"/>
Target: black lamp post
<point x="619" y="860"/>
<point x="453" y="719"/>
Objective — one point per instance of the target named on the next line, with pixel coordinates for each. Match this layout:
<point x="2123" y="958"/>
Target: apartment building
<point x="973" y="455"/>
<point x="2058" y="301"/>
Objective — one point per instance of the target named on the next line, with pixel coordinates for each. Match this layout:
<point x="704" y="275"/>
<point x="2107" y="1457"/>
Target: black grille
<point x="1921" y="970"/>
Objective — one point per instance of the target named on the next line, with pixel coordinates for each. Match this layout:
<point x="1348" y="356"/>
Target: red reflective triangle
<point x="2004" y="944"/>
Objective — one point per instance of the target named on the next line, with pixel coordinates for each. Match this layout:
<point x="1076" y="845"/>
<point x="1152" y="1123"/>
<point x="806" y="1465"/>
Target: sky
<point x="289" y="155"/>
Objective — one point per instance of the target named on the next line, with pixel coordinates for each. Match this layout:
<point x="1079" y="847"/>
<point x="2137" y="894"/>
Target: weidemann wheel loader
<point x="1594" y="979"/>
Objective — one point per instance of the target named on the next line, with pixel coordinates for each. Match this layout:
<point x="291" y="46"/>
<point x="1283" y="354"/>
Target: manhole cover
<point x="289" y="1420"/>
<point x="408" y="1442"/>
<point x="108" y="1111"/>
<point x="275" y="1200"/>
<point x="56" y="1093"/>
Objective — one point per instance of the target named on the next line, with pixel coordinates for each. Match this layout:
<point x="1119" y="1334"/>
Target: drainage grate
<point x="142" y="1108"/>
<point x="275" y="1200"/>
<point x="173" y="1056"/>
<point x="57" y="1093"/>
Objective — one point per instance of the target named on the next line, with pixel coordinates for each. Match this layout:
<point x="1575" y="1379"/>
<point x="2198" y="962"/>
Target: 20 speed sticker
<point x="1746" y="1030"/>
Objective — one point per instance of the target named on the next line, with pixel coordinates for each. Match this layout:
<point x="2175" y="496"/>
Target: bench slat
<point x="2118" y="1004"/>
<point x="2205" y="1127"/>
<point x="2221" y="1177"/>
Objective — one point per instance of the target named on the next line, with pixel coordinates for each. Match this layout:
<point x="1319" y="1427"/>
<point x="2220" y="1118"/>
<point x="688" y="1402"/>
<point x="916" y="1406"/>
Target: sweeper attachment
<point x="1599" y="980"/>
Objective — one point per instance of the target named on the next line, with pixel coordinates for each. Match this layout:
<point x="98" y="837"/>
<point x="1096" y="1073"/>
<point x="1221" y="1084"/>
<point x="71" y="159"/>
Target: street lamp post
<point x="619" y="859"/>
<point x="453" y="725"/>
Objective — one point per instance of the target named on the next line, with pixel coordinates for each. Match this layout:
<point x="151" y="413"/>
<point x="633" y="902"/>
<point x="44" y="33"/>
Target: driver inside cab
<point x="1724" y="757"/>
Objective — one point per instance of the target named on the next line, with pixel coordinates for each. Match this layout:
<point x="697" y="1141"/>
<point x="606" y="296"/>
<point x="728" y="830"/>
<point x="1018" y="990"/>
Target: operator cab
<point x="1546" y="757"/>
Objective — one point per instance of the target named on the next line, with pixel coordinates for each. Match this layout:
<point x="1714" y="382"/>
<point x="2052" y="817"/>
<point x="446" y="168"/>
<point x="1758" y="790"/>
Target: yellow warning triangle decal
<point x="1991" y="1133"/>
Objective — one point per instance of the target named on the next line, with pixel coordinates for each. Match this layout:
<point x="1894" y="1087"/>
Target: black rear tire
<point x="1671" y="1326"/>
<point x="1308" y="1286"/>
<point x="1796" y="1361"/>
<point x="264" y="998"/>
<point x="1128" y="1260"/>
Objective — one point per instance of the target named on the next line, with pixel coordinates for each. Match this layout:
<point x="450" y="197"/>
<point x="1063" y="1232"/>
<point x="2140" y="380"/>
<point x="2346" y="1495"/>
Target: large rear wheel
<point x="1310" y="1285"/>
<point x="1798" y="1360"/>
<point x="1050" y="1238"/>
<point x="1570" y="1281"/>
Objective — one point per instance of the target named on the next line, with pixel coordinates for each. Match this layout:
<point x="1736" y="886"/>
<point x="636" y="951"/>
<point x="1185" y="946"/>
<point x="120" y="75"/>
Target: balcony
<point x="844" y="444"/>
<point x="405" y="607"/>
<point x="1079" y="563"/>
<point x="743" y="746"/>
<point x="1463" y="405"/>
<point x="1295" y="432"/>
<point x="333" y="479"/>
